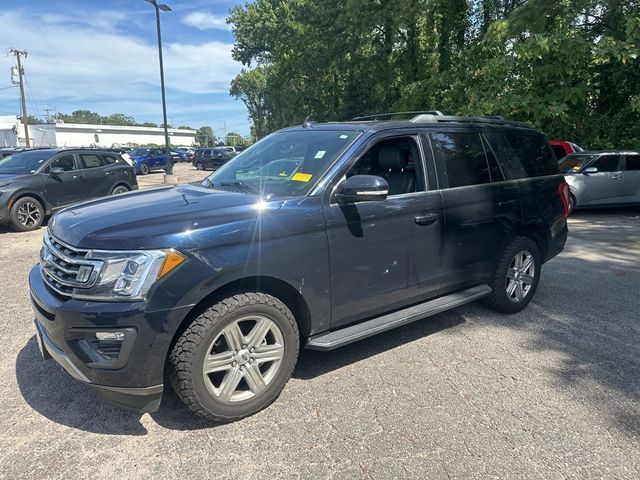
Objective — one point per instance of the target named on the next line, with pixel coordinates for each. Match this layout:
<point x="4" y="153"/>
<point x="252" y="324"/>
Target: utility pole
<point x="25" y="120"/>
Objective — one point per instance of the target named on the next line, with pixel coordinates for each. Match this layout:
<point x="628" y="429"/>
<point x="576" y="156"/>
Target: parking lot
<point x="553" y="392"/>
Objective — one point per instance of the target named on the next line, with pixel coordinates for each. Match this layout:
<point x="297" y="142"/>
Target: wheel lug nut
<point x="234" y="364"/>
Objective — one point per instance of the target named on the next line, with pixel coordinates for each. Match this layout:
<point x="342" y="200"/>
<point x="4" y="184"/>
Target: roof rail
<point x="377" y="116"/>
<point x="494" y="119"/>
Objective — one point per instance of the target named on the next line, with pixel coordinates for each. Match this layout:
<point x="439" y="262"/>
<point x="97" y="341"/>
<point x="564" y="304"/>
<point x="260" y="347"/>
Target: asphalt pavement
<point x="552" y="392"/>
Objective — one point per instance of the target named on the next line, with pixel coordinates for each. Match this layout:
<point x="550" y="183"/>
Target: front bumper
<point x="141" y="399"/>
<point x="134" y="378"/>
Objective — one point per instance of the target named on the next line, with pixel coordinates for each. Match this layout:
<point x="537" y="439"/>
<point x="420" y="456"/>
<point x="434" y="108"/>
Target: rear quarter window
<point x="534" y="153"/>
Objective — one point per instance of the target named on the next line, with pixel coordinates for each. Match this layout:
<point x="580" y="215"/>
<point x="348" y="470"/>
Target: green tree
<point x="205" y="137"/>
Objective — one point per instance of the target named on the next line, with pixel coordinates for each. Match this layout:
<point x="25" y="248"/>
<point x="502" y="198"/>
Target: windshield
<point x="25" y="162"/>
<point x="574" y="163"/>
<point x="139" y="152"/>
<point x="284" y="164"/>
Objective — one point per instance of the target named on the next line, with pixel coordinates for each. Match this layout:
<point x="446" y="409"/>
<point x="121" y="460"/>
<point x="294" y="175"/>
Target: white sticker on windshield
<point x="344" y="137"/>
<point x="320" y="154"/>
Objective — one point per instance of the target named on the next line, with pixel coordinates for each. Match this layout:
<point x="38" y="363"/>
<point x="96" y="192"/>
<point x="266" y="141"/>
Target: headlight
<point x="126" y="275"/>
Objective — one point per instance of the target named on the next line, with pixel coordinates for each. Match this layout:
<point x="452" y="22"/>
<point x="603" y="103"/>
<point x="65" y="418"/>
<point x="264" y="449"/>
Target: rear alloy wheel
<point x="199" y="166"/>
<point x="119" y="189"/>
<point x="26" y="214"/>
<point x="516" y="278"/>
<point x="236" y="357"/>
<point x="144" y="169"/>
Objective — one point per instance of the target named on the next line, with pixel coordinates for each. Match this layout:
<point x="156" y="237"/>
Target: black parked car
<point x="211" y="158"/>
<point x="36" y="183"/>
<point x="359" y="228"/>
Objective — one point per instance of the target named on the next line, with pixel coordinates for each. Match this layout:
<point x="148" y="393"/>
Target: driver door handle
<point x="77" y="176"/>
<point x="426" y="219"/>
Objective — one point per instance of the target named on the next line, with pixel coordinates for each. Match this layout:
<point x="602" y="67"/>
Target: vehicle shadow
<point x="49" y="390"/>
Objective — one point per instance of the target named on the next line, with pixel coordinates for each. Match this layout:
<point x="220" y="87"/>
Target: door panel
<point x="631" y="177"/>
<point x="479" y="214"/>
<point x="97" y="179"/>
<point x="606" y="186"/>
<point x="65" y="188"/>
<point x="381" y="259"/>
<point x="385" y="254"/>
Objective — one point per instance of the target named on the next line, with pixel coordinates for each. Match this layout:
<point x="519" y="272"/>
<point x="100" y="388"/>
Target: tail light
<point x="564" y="193"/>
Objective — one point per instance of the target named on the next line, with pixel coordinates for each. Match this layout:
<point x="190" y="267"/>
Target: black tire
<point x="26" y="214"/>
<point x="144" y="169"/>
<point x="118" y="189"/>
<point x="199" y="166"/>
<point x="572" y="204"/>
<point x="500" y="299"/>
<point x="186" y="360"/>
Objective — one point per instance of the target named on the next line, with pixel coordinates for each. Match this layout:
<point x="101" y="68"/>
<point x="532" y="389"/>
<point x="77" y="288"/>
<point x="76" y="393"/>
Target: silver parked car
<point x="602" y="179"/>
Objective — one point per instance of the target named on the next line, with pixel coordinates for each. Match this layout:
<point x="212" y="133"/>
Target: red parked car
<point x="562" y="148"/>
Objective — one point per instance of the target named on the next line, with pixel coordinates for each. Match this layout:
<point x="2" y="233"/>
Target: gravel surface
<point x="552" y="392"/>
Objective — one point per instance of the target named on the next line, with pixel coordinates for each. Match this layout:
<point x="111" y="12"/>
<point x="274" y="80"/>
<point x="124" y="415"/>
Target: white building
<point x="65" y="135"/>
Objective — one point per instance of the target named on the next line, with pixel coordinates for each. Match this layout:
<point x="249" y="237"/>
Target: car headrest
<point x="392" y="158"/>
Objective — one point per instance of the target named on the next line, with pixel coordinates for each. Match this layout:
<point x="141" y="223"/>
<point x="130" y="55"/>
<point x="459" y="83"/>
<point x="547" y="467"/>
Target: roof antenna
<point x="307" y="122"/>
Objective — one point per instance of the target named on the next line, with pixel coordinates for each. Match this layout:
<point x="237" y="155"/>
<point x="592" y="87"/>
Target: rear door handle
<point x="616" y="177"/>
<point x="507" y="203"/>
<point x="426" y="219"/>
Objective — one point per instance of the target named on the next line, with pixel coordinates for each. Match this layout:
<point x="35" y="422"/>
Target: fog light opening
<point x="110" y="336"/>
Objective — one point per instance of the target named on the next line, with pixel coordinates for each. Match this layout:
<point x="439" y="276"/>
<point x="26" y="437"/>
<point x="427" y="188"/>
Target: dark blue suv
<point x="316" y="236"/>
<point x="147" y="159"/>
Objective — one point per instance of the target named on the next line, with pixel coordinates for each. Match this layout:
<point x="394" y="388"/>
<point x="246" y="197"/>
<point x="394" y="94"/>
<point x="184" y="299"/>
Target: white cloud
<point x="206" y="21"/>
<point x="80" y="62"/>
<point x="86" y="66"/>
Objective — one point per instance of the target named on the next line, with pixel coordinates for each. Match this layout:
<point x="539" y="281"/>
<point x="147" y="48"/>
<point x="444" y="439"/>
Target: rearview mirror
<point x="589" y="170"/>
<point x="56" y="171"/>
<point x="363" y="188"/>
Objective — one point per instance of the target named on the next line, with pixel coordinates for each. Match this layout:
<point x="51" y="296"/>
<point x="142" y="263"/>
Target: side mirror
<point x="363" y="188"/>
<point x="54" y="171"/>
<point x="590" y="170"/>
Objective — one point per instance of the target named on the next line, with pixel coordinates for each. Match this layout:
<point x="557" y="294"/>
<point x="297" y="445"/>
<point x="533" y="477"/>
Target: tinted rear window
<point x="534" y="154"/>
<point x="463" y="157"/>
<point x="523" y="155"/>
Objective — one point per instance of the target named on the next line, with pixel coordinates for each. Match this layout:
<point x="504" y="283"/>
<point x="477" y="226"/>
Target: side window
<point x="558" y="150"/>
<point x="607" y="163"/>
<point x="397" y="160"/>
<point x="633" y="162"/>
<point x="463" y="156"/>
<point x="66" y="162"/>
<point x="109" y="160"/>
<point x="534" y="153"/>
<point x="91" y="161"/>
<point x="494" y="168"/>
<point x="506" y="156"/>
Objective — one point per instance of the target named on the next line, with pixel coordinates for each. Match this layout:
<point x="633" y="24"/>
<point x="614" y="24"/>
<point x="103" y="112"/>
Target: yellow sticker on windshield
<point x="302" y="177"/>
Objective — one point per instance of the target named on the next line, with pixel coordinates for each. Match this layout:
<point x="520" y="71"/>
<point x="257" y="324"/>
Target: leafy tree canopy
<point x="570" y="67"/>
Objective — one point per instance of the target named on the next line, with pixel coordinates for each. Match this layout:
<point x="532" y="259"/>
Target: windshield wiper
<point x="243" y="186"/>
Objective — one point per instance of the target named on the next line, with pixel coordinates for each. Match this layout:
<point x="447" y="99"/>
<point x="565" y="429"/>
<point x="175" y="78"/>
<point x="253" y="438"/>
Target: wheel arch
<point x="275" y="287"/>
<point x="35" y="196"/>
<point x="535" y="231"/>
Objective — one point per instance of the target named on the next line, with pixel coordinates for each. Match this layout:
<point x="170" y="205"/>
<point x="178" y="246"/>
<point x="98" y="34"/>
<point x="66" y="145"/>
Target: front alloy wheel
<point x="235" y="358"/>
<point x="240" y="366"/>
<point x="26" y="214"/>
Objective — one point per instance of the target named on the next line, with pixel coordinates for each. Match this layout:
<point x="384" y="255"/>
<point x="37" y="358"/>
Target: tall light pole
<point x="164" y="8"/>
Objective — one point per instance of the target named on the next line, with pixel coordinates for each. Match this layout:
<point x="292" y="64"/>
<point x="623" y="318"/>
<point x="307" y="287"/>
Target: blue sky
<point x="102" y="56"/>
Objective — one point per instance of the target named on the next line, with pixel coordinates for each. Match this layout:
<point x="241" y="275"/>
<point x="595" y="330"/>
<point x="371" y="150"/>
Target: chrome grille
<point x="65" y="268"/>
